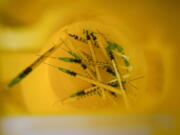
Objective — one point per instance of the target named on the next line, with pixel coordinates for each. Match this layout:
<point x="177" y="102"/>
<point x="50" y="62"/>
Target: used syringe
<point x="35" y="64"/>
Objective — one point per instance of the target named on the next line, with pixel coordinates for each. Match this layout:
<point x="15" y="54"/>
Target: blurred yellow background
<point x="149" y="25"/>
